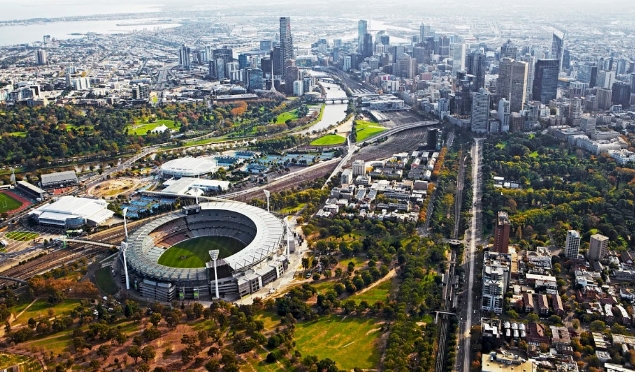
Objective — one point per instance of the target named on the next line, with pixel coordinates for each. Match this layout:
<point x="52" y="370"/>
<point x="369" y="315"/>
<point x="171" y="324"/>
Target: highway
<point x="469" y="316"/>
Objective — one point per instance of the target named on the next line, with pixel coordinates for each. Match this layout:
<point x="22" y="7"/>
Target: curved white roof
<point x="142" y="254"/>
<point x="188" y="166"/>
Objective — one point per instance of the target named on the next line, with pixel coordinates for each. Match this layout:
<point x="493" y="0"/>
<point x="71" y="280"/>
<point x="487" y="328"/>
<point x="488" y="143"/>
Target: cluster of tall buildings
<point x="272" y="67"/>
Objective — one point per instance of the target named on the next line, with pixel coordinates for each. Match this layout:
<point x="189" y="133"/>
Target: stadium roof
<point x="59" y="177"/>
<point x="189" y="166"/>
<point x="142" y="254"/>
<point x="70" y="207"/>
<point x="184" y="185"/>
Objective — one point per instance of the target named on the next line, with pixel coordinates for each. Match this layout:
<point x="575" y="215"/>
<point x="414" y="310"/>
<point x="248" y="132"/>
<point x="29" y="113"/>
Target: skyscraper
<point x="362" y="29"/>
<point x="512" y="83"/>
<point x="598" y="247"/>
<point x="40" y="57"/>
<point x="545" y="87"/>
<point x="480" y="111"/>
<point x="509" y="50"/>
<point x="457" y="53"/>
<point x="424" y="32"/>
<point x="621" y="94"/>
<point x="501" y="233"/>
<point x="476" y="66"/>
<point x="557" y="47"/>
<point x="184" y="57"/>
<point x="367" y="46"/>
<point x="286" y="41"/>
<point x="605" y="79"/>
<point x="572" y="244"/>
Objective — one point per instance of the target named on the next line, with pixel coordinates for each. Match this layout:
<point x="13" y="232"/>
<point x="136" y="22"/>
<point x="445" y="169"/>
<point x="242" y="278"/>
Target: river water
<point x="332" y="112"/>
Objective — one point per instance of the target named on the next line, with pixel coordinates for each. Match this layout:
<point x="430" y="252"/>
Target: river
<point x="332" y="112"/>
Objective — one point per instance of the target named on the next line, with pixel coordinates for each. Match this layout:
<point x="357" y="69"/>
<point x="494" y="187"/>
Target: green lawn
<point x="22" y="236"/>
<point x="7" y="203"/>
<point x="292" y="210"/>
<point x="351" y="343"/>
<point x="367" y="129"/>
<point x="329" y="140"/>
<point x="141" y="129"/>
<point x="105" y="281"/>
<point x="58" y="343"/>
<point x="195" y="252"/>
<point x="40" y="308"/>
<point x="378" y="293"/>
<point x="282" y="118"/>
<point x="8" y="360"/>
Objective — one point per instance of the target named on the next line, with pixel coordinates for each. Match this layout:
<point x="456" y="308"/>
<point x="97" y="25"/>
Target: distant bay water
<point x="22" y="34"/>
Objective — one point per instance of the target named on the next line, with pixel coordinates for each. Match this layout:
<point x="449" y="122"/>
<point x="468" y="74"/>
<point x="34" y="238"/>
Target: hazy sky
<point x="24" y="9"/>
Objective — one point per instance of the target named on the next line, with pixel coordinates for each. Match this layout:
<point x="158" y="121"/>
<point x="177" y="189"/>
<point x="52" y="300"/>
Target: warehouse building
<point x="59" y="179"/>
<point x="70" y="212"/>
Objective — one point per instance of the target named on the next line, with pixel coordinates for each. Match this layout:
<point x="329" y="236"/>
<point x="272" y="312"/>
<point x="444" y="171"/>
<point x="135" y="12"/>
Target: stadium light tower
<point x="267" y="195"/>
<point x="124" y="248"/>
<point x="214" y="255"/>
<point x="287" y="250"/>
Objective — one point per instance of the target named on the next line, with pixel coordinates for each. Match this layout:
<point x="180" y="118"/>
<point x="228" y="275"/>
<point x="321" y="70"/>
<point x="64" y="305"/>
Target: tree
<point x="597" y="326"/>
<point x="134" y="352"/>
<point x="212" y="365"/>
<point x="147" y="353"/>
<point x="155" y="318"/>
<point x="104" y="351"/>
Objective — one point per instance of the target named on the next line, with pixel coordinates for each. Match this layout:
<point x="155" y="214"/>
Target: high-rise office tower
<point x="512" y="83"/>
<point x="531" y="61"/>
<point x="443" y="46"/>
<point x="286" y="41"/>
<point x="604" y="98"/>
<point x="384" y="39"/>
<point x="367" y="47"/>
<point x="457" y="53"/>
<point x="255" y="79"/>
<point x="566" y="59"/>
<point x="291" y="74"/>
<point x="557" y="47"/>
<point x="480" y="111"/>
<point x="621" y="94"/>
<point x="406" y="66"/>
<point x="633" y="83"/>
<point x="501" y="233"/>
<point x="598" y="247"/>
<point x="509" y="50"/>
<point x="504" y="115"/>
<point x="184" y="57"/>
<point x="572" y="244"/>
<point x="424" y="32"/>
<point x="362" y="29"/>
<point x="605" y="79"/>
<point x="276" y="58"/>
<point x="221" y="57"/>
<point x="476" y="66"/>
<point x="40" y="57"/>
<point x="545" y="87"/>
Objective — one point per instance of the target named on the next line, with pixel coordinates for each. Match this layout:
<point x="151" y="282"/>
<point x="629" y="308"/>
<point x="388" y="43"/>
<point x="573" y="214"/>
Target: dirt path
<point x="391" y="274"/>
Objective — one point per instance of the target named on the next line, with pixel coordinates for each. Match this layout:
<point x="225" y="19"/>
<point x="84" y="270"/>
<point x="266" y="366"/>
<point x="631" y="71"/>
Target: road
<point x="469" y="316"/>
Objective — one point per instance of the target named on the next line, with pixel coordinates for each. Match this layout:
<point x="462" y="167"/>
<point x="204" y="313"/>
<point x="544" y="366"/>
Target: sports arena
<point x="255" y="258"/>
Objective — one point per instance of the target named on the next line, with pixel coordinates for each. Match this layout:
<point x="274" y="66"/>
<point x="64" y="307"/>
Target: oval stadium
<point x="169" y="258"/>
<point x="188" y="167"/>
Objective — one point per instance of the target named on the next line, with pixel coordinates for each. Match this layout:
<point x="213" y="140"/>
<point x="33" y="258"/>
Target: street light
<point x="214" y="255"/>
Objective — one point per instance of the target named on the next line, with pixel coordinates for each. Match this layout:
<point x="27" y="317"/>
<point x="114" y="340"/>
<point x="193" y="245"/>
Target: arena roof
<point x="142" y="254"/>
<point x="185" y="185"/>
<point x="188" y="166"/>
<point x="59" y="177"/>
<point x="70" y="207"/>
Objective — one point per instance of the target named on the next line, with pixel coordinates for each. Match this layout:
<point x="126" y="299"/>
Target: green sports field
<point x="195" y="252"/>
<point x="7" y="203"/>
<point x="22" y="236"/>
<point x="329" y="139"/>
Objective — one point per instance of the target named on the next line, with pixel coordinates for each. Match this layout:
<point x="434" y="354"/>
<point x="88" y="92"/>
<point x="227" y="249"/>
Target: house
<point x="537" y="334"/>
<point x="528" y="302"/>
<point x="543" y="305"/>
<point x="608" y="313"/>
<point x="556" y="303"/>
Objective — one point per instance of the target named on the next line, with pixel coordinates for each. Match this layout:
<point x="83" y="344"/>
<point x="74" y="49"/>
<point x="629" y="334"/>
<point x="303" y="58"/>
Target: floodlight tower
<point x="267" y="195"/>
<point x="124" y="247"/>
<point x="214" y="255"/>
<point x="287" y="250"/>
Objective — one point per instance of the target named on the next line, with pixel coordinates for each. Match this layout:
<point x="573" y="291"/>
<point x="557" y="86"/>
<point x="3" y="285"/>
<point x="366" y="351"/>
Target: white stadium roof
<point x="70" y="207"/>
<point x="189" y="166"/>
<point x="188" y="185"/>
